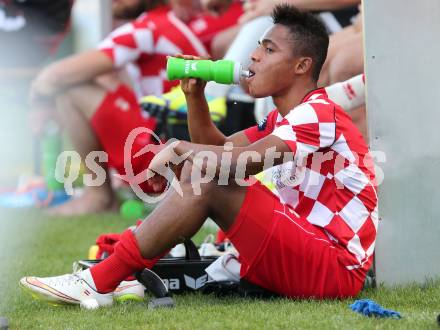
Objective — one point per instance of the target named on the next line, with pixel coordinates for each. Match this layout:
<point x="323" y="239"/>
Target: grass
<point x="33" y="244"/>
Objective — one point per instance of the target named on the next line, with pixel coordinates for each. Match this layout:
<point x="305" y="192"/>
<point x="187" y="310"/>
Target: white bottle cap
<point x="239" y="73"/>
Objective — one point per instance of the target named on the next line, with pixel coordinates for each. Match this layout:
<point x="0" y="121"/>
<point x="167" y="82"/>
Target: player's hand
<point x="158" y="183"/>
<point x="217" y="7"/>
<point x="43" y="89"/>
<point x="256" y="8"/>
<point x="38" y="119"/>
<point x="42" y="105"/>
<point x="166" y="160"/>
<point x="192" y="86"/>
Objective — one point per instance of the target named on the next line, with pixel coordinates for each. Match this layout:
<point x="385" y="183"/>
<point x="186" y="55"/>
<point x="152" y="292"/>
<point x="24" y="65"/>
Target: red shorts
<point x="288" y="255"/>
<point x="117" y="116"/>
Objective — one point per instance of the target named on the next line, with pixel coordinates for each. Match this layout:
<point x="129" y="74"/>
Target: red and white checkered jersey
<point x="142" y="46"/>
<point x="206" y="26"/>
<point x="329" y="180"/>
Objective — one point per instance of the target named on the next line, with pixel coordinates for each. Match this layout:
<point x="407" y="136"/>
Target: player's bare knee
<point x="85" y="98"/>
<point x="193" y="182"/>
<point x="346" y="64"/>
<point x="223" y="195"/>
<point x="67" y="98"/>
<point x="196" y="189"/>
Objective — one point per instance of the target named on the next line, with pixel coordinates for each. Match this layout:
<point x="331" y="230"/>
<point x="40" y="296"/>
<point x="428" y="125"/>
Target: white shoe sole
<point x="41" y="291"/>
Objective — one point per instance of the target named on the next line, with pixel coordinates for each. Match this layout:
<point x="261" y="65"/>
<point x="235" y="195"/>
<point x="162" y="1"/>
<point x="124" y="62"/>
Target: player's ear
<point x="303" y="65"/>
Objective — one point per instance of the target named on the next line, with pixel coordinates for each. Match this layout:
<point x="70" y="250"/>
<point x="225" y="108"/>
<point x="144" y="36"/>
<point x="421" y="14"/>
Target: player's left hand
<point x="191" y="86"/>
<point x="159" y="169"/>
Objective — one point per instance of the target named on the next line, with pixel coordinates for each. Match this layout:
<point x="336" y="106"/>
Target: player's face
<point x="126" y="9"/>
<point x="273" y="64"/>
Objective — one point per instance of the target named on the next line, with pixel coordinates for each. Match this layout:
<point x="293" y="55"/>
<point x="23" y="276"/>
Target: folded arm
<point x="69" y="72"/>
<point x="244" y="161"/>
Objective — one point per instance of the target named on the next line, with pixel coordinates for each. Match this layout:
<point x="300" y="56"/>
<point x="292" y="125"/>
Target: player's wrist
<point x="41" y="101"/>
<point x="196" y="100"/>
<point x="41" y="94"/>
<point x="194" y="92"/>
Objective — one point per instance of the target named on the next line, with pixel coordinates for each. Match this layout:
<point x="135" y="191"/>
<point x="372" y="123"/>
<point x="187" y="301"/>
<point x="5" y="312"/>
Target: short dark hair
<point x="309" y="34"/>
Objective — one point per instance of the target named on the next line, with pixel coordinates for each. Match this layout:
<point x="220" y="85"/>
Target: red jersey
<point x="330" y="179"/>
<point x="142" y="46"/>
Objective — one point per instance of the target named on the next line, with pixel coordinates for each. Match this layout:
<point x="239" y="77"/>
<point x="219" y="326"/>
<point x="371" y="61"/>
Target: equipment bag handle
<point x="191" y="252"/>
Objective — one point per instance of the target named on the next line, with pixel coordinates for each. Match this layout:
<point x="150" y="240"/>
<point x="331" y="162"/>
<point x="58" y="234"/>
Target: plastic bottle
<point x="51" y="148"/>
<point x="133" y="209"/>
<point x="223" y="71"/>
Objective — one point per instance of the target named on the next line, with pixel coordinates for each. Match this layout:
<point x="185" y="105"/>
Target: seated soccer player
<point x="314" y="238"/>
<point x="95" y="93"/>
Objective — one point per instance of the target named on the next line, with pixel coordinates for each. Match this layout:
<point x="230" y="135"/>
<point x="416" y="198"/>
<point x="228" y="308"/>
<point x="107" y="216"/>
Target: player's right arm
<point x="68" y="72"/>
<point x="58" y="77"/>
<point x="201" y="128"/>
<point x="113" y="53"/>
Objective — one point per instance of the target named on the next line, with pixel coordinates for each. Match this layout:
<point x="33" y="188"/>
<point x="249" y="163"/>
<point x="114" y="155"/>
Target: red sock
<point x="125" y="261"/>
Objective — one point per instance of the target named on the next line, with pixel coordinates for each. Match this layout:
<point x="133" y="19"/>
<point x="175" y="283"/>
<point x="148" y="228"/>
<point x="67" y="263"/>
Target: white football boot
<point x="129" y="291"/>
<point x="178" y="251"/>
<point x="208" y="249"/>
<point x="78" y="288"/>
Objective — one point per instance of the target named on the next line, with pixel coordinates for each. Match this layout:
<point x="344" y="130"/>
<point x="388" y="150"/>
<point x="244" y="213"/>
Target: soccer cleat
<point x="178" y="251"/>
<point x="129" y="291"/>
<point x="77" y="288"/>
<point x="209" y="249"/>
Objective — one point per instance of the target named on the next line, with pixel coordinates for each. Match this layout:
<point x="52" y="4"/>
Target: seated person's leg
<point x="74" y="107"/>
<point x="359" y="117"/>
<point x="349" y="61"/>
<point x="337" y="45"/>
<point x="100" y="118"/>
<point x="175" y="219"/>
<point x="280" y="251"/>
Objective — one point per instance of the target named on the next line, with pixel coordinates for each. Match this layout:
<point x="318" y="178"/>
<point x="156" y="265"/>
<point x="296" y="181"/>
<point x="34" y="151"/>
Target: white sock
<point x="349" y="94"/>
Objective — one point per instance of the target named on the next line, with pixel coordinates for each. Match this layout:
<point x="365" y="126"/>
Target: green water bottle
<point x="133" y="210"/>
<point x="51" y="148"/>
<point x="222" y="71"/>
